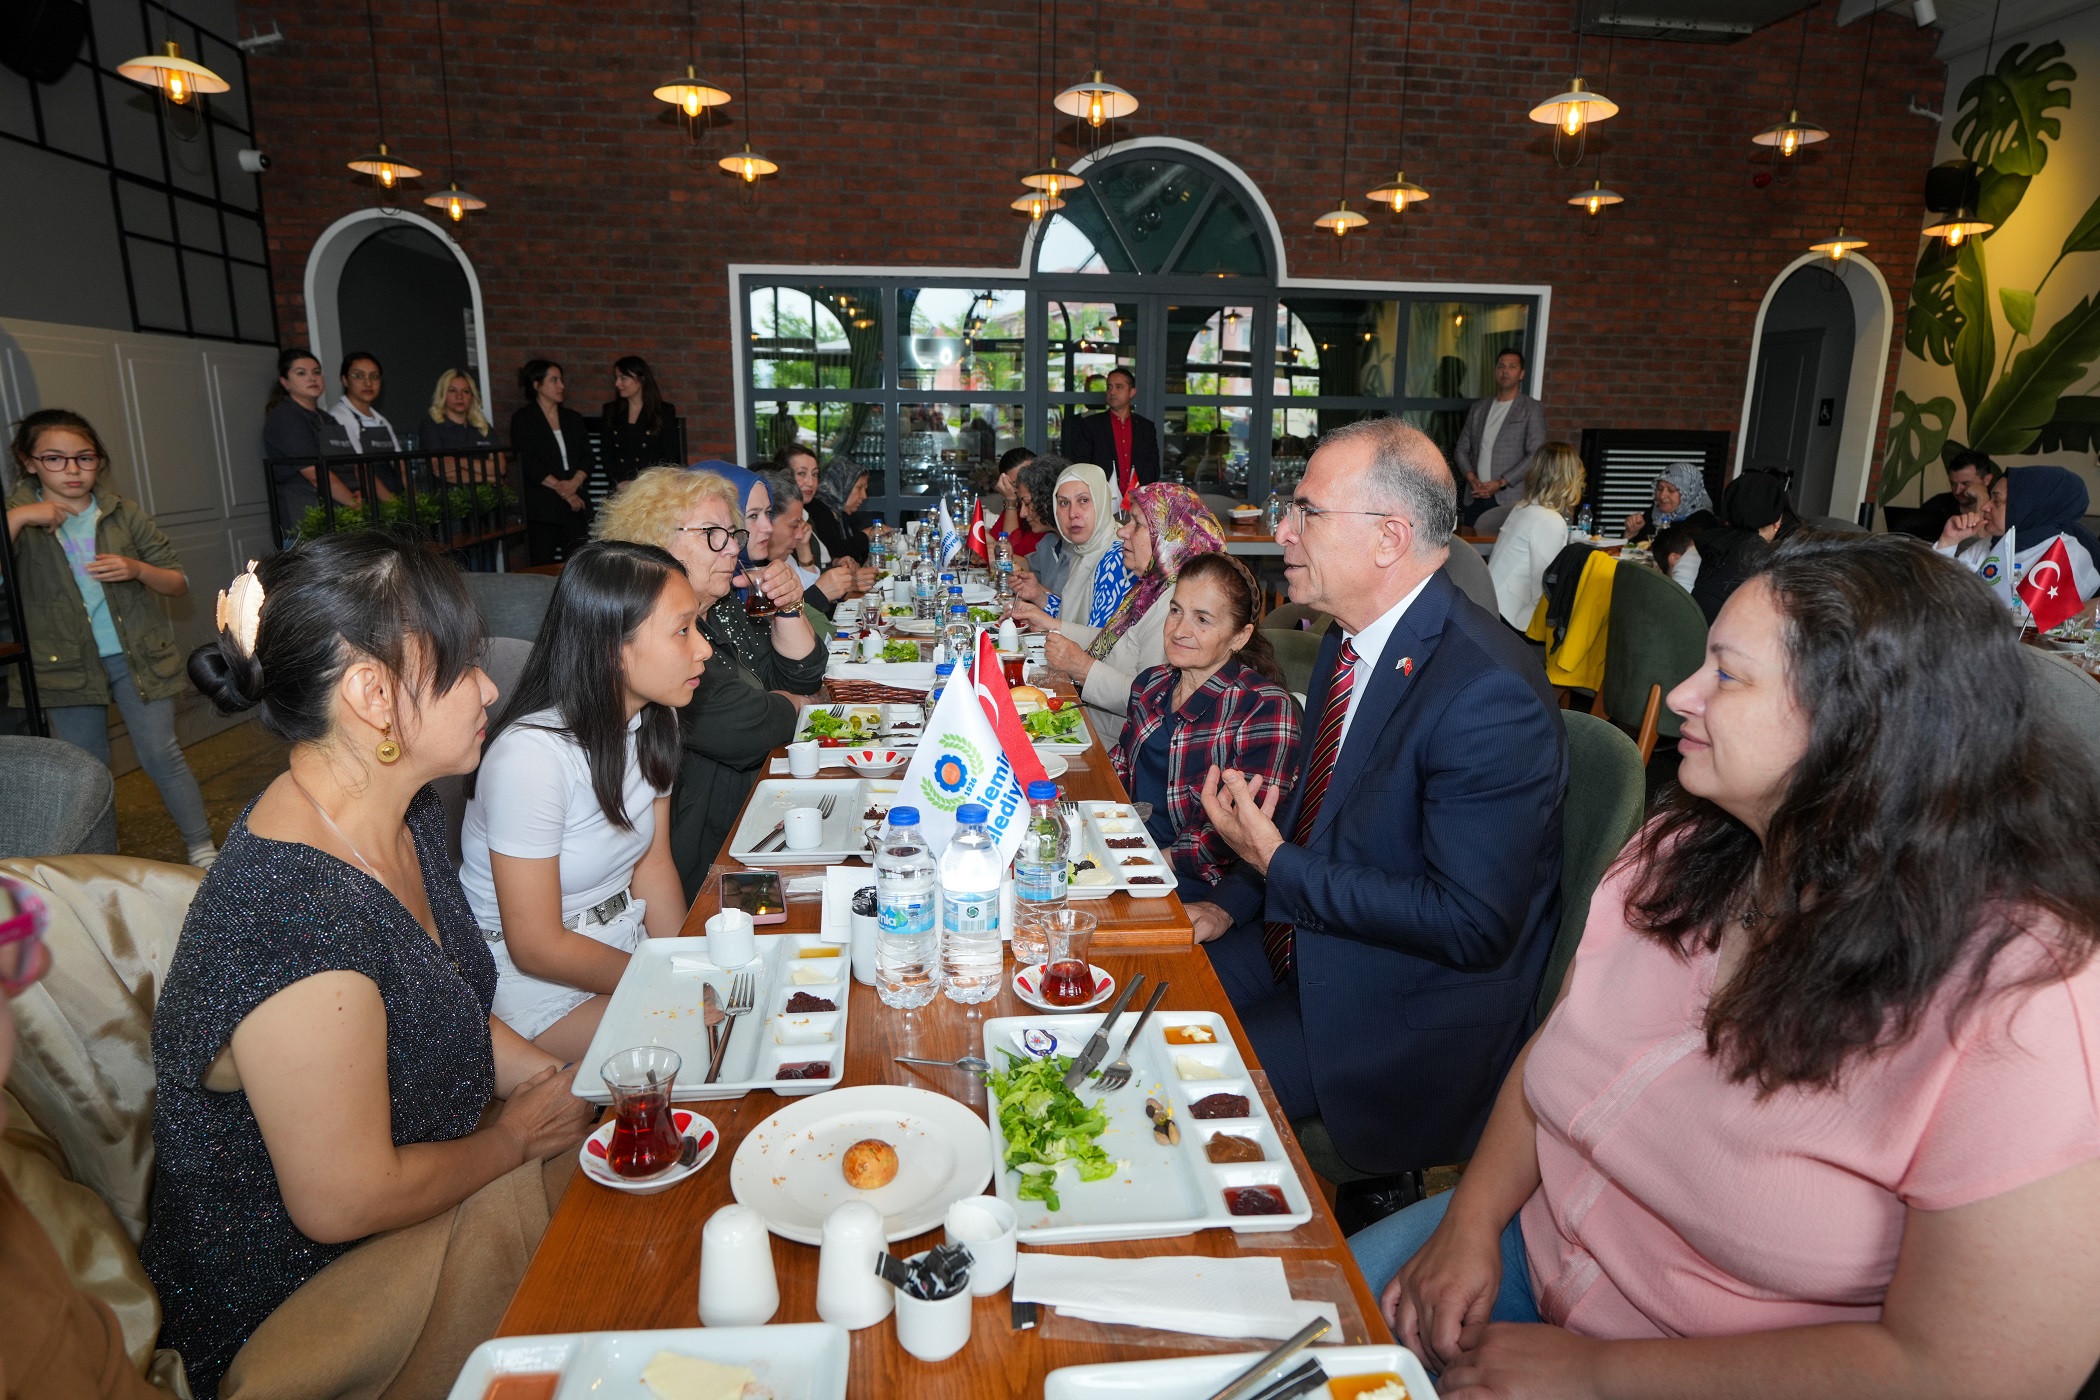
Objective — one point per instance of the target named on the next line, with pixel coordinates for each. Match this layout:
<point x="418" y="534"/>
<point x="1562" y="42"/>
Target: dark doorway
<point x="1804" y="363"/>
<point x="404" y="298"/>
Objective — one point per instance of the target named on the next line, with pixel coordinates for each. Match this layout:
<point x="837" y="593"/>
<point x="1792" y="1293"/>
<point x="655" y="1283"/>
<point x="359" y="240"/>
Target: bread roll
<point x="869" y="1164"/>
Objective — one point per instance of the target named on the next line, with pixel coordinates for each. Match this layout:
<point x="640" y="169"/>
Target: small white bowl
<point x="874" y="763"/>
<point x="591" y="1156"/>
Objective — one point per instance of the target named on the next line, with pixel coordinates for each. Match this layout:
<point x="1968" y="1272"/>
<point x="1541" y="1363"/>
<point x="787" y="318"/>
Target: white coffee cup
<point x="937" y="1330"/>
<point x="738" y="1287"/>
<point x="991" y="1229"/>
<point x="731" y="941"/>
<point x="850" y="1294"/>
<point x="805" y="828"/>
<point x="805" y="758"/>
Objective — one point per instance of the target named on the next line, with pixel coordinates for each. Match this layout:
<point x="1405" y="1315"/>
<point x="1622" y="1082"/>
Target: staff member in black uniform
<point x="555" y="454"/>
<point x="1121" y="443"/>
<point x="295" y="427"/>
<point x="639" y="429"/>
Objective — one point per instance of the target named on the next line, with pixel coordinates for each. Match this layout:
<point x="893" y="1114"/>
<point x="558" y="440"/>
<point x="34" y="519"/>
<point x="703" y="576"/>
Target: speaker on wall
<point x="40" y="39"/>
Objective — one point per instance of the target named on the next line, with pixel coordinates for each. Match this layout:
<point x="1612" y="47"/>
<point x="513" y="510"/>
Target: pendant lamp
<point x="1342" y="218"/>
<point x="1962" y="222"/>
<point x="690" y="95"/>
<point x="1096" y="102"/>
<point x="1789" y="136"/>
<point x="380" y="164"/>
<point x="455" y="201"/>
<point x="1574" y="110"/>
<point x="1399" y="192"/>
<point x="1837" y="247"/>
<point x="747" y="165"/>
<point x="1596" y="197"/>
<point x="1052" y="180"/>
<point x="1035" y="204"/>
<point x="178" y="79"/>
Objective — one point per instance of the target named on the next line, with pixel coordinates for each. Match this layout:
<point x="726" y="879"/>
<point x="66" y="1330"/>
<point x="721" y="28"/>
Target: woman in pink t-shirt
<point x="1818" y="1110"/>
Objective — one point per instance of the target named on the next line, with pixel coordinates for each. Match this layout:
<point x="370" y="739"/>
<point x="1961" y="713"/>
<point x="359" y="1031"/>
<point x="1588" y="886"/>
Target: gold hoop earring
<point x="387" y="751"/>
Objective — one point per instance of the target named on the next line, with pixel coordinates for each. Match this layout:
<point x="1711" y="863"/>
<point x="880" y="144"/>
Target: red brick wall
<point x="608" y="234"/>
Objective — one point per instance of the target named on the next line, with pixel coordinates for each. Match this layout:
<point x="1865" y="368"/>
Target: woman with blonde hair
<point x="1535" y="531"/>
<point x="739" y="715"/>
<point x="456" y="420"/>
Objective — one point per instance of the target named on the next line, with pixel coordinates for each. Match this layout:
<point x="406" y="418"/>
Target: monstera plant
<point x="2012" y="397"/>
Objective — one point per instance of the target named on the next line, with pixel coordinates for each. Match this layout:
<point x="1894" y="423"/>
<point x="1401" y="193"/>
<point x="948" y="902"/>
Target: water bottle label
<point x="906" y="918"/>
<point x="1041" y="884"/>
<point x="970" y="911"/>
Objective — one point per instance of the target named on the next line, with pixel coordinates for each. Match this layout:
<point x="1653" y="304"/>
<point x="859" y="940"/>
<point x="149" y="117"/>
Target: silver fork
<point x="825" y="804"/>
<point x="743" y="993"/>
<point x="1118" y="1074"/>
<point x="838" y="711"/>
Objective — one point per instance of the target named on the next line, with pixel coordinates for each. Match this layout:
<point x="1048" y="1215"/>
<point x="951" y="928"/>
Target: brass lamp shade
<point x="1790" y="135"/>
<point x="1052" y="180"/>
<point x="1095" y="101"/>
<point x="1340" y="219"/>
<point x="382" y="167"/>
<point x="1838" y="245"/>
<point x="1574" y="109"/>
<point x="456" y="202"/>
<point x="1399" y="193"/>
<point x="691" y="95"/>
<point x="1596" y="197"/>
<point x="748" y="165"/>
<point x="1037" y="203"/>
<point x="177" y="77"/>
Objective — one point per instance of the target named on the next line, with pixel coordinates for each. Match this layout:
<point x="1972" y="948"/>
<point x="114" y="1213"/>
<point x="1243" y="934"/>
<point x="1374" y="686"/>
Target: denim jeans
<point x="152" y="727"/>
<point x="1381" y="1249"/>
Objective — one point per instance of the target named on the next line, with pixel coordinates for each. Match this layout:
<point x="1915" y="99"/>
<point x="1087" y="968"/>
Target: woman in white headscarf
<point x="1098" y="578"/>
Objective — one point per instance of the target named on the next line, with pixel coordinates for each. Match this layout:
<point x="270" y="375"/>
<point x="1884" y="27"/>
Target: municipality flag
<point x="960" y="760"/>
<point x="951" y="538"/>
<point x="1997" y="570"/>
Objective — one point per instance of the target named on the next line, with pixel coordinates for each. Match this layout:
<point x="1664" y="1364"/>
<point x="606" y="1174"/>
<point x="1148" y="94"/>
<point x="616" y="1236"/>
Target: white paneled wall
<point x="183" y="423"/>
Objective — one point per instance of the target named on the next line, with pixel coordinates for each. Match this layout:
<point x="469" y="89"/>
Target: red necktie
<point x="1327" y="744"/>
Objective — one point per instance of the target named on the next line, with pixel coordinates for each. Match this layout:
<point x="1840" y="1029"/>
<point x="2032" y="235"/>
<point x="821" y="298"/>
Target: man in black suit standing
<point x="1120" y="442"/>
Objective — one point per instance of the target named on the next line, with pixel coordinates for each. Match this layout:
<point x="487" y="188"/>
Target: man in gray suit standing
<point x="1495" y="446"/>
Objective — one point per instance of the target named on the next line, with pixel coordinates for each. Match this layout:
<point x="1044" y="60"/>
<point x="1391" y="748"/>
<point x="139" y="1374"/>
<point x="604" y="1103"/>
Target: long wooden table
<point x="614" y="1261"/>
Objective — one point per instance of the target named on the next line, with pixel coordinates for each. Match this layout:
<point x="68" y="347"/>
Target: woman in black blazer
<point x="555" y="454"/>
<point x="639" y="430"/>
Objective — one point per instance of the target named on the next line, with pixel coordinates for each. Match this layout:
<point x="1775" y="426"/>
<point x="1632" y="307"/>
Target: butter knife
<point x="779" y="828"/>
<point x="712" y="1013"/>
<point x="1246" y="1381"/>
<point x="1097" y="1045"/>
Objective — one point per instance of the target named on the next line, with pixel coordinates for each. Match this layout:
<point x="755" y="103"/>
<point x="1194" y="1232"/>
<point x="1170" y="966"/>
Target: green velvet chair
<point x="1297" y="652"/>
<point x="1657" y="638"/>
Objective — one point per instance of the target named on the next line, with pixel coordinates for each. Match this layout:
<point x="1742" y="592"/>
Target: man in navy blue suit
<point x="1385" y="932"/>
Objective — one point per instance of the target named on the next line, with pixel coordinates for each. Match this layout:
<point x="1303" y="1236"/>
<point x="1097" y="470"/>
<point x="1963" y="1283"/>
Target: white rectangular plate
<point x="1101" y="822"/>
<point x="898" y="726"/>
<point x="771" y="800"/>
<point x="659" y="1002"/>
<point x="1197" y="1377"/>
<point x="1157" y="1191"/>
<point x="800" y="1361"/>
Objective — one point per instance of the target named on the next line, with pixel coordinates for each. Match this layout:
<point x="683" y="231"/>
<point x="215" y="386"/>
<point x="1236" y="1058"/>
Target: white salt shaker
<point x="850" y="1294"/>
<point x="737" y="1285"/>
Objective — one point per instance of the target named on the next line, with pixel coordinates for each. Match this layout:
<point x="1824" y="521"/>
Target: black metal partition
<point x="463" y="502"/>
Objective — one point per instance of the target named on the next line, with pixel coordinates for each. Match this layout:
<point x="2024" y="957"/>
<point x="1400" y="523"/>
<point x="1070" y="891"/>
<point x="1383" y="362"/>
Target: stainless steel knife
<point x="1097" y="1045"/>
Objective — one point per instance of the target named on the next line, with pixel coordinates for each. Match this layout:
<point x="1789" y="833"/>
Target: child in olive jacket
<point x="90" y="563"/>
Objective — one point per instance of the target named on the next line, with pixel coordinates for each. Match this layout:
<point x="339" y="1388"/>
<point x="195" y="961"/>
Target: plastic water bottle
<point x="1582" y="523"/>
<point x="959" y="637"/>
<point x="923" y="597"/>
<point x="1003" y="569"/>
<point x="1042" y="869"/>
<point x="973" y="958"/>
<point x="943" y="672"/>
<point x="1273" y="512"/>
<point x="907" y="946"/>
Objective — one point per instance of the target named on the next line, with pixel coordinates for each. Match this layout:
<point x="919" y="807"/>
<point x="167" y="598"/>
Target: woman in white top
<point x="369" y="430"/>
<point x="567" y="835"/>
<point x="1535" y="531"/>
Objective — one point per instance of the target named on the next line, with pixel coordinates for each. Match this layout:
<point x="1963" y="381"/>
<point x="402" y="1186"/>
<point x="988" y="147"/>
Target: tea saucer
<point x="591" y="1156"/>
<point x="1028" y="983"/>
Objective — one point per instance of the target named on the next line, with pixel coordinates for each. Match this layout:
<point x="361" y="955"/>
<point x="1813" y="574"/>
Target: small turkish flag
<point x="977" y="541"/>
<point x="2050" y="590"/>
<point x="998" y="703"/>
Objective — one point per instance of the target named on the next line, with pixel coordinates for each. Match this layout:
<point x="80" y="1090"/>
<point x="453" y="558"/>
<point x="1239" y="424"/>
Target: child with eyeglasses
<point x="92" y="572"/>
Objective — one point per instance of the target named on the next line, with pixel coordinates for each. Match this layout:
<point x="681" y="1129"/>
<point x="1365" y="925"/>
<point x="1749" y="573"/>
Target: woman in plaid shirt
<point x="1218" y="702"/>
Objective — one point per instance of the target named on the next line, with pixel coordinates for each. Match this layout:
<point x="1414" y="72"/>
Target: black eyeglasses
<point x="717" y="537"/>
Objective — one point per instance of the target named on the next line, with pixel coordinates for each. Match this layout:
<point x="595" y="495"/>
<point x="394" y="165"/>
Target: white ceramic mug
<point x="805" y="828"/>
<point x="900" y="589"/>
<point x="991" y="1229"/>
<point x="731" y="941"/>
<point x="934" y="1331"/>
<point x="805" y="758"/>
<point x="738" y="1287"/>
<point x="850" y="1294"/>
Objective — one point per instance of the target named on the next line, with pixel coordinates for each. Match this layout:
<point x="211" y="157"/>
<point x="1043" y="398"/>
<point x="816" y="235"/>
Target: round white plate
<point x="591" y="1156"/>
<point x="914" y="626"/>
<point x="1053" y="766"/>
<point x="1029" y="980"/>
<point x="787" y="1168"/>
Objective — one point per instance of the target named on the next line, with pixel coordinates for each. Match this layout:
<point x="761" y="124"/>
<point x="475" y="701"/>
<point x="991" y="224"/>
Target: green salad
<point x="985" y="617"/>
<point x="1052" y="724"/>
<point x="1046" y="1125"/>
<point x="897" y="610"/>
<point x="900" y="651"/>
<point x="822" y="724"/>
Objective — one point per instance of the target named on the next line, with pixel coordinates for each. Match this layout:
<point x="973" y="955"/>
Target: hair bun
<point x="232" y="683"/>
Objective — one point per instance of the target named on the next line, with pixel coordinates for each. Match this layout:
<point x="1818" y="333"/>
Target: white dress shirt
<point x="1370" y="652"/>
<point x="1490" y="429"/>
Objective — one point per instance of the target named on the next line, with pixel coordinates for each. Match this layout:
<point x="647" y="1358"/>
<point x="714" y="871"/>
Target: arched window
<point x="1167" y="262"/>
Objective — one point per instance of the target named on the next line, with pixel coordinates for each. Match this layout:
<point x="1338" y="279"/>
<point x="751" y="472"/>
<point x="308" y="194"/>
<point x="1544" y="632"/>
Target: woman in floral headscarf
<point x="1680" y="499"/>
<point x="1163" y="527"/>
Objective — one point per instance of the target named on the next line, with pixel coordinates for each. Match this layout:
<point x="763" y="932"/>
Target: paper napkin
<point x="1247" y="1297"/>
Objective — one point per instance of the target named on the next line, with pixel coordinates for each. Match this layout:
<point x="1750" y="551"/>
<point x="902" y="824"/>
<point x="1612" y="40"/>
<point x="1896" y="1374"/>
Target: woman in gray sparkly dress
<point x="323" y="1046"/>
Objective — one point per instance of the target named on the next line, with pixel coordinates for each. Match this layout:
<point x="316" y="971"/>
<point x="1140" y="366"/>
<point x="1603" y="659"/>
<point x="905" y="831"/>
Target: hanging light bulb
<point x="747" y="165"/>
<point x="1096" y="102"/>
<point x="1596" y="197"/>
<point x="456" y="202"/>
<point x="1051" y="180"/>
<point x="1790" y="135"/>
<point x="1341" y="219"/>
<point x="1035" y="204"/>
<point x="1399" y="193"/>
<point x="1838" y="246"/>
<point x="1575" y="110"/>
<point x="382" y="167"/>
<point x="691" y="96"/>
<point x="179" y="79"/>
<point x="1956" y="226"/>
